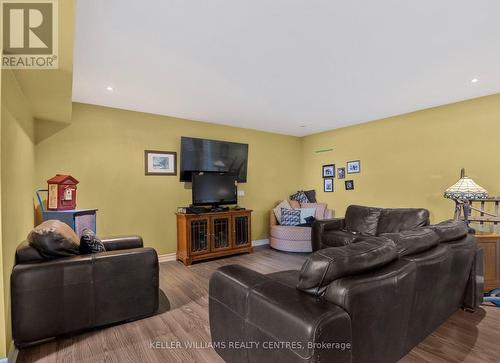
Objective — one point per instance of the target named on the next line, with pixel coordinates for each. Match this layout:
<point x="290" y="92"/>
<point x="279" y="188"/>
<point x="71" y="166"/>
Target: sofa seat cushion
<point x="413" y="241"/>
<point x="329" y="264"/>
<point x="393" y="220"/>
<point x="450" y="230"/>
<point x="361" y="219"/>
<point x="338" y="238"/>
<point x="291" y="233"/>
<point x="54" y="239"/>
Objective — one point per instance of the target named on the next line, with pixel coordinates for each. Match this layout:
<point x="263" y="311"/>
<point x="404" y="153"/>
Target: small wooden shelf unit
<point x="213" y="234"/>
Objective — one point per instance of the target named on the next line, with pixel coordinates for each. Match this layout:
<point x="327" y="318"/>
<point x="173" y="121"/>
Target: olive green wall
<point x="104" y="149"/>
<point x="409" y="160"/>
<point x="3" y="345"/>
<point x="17" y="181"/>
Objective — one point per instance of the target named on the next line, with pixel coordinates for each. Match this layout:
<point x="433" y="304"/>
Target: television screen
<point x="214" y="189"/>
<point x="201" y="155"/>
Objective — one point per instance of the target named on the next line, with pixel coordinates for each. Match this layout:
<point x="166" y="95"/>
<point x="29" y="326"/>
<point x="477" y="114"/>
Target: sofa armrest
<point x="321" y="226"/>
<point x="122" y="242"/>
<point x="128" y="278"/>
<point x="246" y="306"/>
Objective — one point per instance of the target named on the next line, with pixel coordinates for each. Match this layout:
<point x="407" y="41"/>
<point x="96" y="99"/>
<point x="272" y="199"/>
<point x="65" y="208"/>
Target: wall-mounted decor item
<point x="328" y="185"/>
<point x="160" y="162"/>
<point x="341" y="173"/>
<point x="349" y="185"/>
<point x="353" y="167"/>
<point x="329" y="171"/>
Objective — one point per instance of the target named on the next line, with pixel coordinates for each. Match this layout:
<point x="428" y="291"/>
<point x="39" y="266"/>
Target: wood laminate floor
<point x="183" y="318"/>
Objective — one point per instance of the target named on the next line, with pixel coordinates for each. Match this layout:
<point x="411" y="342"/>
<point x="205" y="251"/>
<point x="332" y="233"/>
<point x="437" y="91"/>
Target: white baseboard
<point x="260" y="242"/>
<point x="165" y="258"/>
<point x="12" y="355"/>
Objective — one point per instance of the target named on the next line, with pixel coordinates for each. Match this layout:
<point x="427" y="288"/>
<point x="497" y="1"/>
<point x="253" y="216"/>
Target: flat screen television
<point x="214" y="189"/>
<point x="202" y="155"/>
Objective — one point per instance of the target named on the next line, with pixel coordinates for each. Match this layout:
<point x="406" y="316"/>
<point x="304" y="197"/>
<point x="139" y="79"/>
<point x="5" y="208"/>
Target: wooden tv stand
<point x="213" y="234"/>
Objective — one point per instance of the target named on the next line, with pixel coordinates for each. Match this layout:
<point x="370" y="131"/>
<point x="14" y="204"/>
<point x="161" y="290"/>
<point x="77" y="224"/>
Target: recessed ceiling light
<point x="109" y="88"/>
<point x="474" y="80"/>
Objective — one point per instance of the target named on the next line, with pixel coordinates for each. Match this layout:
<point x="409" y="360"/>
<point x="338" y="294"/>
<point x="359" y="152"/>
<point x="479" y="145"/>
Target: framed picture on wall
<point x="160" y="162"/>
<point x="341" y="173"/>
<point x="353" y="167"/>
<point x="328" y="185"/>
<point x="329" y="171"/>
<point x="349" y="185"/>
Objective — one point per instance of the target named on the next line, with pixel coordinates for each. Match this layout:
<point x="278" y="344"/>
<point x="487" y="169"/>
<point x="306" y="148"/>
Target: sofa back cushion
<point x="450" y="230"/>
<point x="54" y="239"/>
<point x="329" y="264"/>
<point x="413" y="241"/>
<point x="359" y="219"/>
<point x="319" y="207"/>
<point x="393" y="220"/>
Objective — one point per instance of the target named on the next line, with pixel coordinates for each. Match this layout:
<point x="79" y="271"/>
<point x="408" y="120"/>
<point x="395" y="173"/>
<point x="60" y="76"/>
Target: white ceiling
<point x="277" y="65"/>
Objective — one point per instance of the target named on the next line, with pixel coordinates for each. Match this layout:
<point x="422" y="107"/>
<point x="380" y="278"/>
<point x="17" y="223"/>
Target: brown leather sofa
<point x="70" y="294"/>
<point x="371" y="300"/>
<point x="360" y="221"/>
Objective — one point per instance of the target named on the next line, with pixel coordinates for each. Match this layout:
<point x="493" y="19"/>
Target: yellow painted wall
<point x="17" y="181"/>
<point x="104" y="149"/>
<point x="3" y="350"/>
<point x="409" y="160"/>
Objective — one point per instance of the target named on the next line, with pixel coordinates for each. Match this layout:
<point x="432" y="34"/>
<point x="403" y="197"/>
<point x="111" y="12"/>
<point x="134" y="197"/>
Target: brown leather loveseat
<point x="70" y="294"/>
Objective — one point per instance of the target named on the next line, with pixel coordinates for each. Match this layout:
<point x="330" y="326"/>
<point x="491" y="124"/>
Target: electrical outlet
<point x="241" y="193"/>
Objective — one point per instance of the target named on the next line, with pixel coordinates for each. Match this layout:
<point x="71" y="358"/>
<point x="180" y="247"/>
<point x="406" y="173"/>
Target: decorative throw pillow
<point x="89" y="243"/>
<point x="54" y="239"/>
<point x="290" y="217"/>
<point x="300" y="197"/>
<point x="320" y="209"/>
<point x="294" y="204"/>
<point x="308" y="223"/>
<point x="277" y="209"/>
<point x="311" y="195"/>
<point x="306" y="213"/>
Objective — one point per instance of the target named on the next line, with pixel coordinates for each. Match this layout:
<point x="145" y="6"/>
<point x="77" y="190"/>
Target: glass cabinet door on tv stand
<point x="213" y="234"/>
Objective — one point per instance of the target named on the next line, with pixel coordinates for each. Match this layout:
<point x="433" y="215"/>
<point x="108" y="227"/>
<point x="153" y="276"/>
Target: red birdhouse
<point x="62" y="192"/>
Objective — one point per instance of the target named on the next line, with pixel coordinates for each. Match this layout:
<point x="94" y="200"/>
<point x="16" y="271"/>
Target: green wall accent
<point x="17" y="182"/>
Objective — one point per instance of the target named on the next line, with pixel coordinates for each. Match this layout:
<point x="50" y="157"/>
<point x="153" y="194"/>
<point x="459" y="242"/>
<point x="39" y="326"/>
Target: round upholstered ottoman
<point x="291" y="238"/>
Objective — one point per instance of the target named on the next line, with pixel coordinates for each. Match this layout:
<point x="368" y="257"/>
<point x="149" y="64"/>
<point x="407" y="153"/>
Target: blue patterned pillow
<point x="290" y="217"/>
<point x="300" y="197"/>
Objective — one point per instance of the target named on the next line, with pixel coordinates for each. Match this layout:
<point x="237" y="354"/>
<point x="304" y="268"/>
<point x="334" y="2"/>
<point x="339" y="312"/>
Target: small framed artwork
<point x="328" y="185"/>
<point x="160" y="162"/>
<point x="349" y="185"/>
<point x="329" y="171"/>
<point x="341" y="173"/>
<point x="353" y="167"/>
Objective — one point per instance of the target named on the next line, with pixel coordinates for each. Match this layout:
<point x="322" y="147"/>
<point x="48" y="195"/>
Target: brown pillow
<point x="54" y="239"/>
<point x="311" y="195"/>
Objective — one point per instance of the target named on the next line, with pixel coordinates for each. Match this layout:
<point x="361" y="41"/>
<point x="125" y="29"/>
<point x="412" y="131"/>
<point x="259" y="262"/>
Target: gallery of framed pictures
<point x="160" y="162"/>
<point x="329" y="172"/>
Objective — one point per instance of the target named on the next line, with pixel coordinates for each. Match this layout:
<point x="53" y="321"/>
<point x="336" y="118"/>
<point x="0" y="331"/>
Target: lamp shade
<point x="465" y="188"/>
